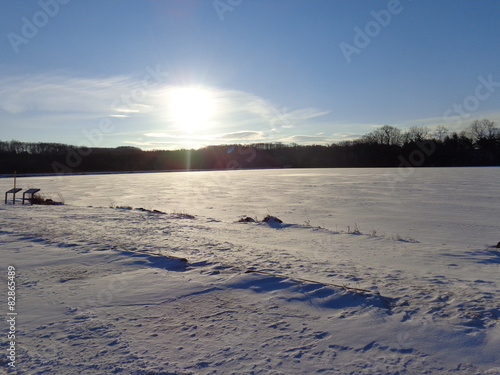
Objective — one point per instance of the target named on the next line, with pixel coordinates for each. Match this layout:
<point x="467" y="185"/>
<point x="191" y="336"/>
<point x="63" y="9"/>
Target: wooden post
<point x="14" y="195"/>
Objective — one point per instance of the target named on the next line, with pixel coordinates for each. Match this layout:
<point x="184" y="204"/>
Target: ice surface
<point x="104" y="290"/>
<point x="438" y="205"/>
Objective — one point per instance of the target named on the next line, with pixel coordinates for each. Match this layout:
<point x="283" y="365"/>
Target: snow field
<point x="100" y="291"/>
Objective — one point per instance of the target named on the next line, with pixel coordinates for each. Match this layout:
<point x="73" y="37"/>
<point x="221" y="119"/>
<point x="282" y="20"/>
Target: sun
<point x="191" y="109"/>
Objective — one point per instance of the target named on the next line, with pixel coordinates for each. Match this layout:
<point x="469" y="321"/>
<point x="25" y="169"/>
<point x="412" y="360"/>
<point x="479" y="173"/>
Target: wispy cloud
<point x="59" y="93"/>
<point x="160" y="135"/>
<point x="238" y="137"/>
<point x="305" y="114"/>
<point x="242" y="135"/>
<point x="338" y="137"/>
<point x="307" y="139"/>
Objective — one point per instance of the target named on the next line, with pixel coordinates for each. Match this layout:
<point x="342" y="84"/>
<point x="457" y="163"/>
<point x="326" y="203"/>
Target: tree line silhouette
<point x="388" y="146"/>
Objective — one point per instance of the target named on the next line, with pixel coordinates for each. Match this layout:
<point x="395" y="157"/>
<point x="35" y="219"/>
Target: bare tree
<point x="441" y="132"/>
<point x="386" y="135"/>
<point x="416" y="134"/>
<point x="482" y="129"/>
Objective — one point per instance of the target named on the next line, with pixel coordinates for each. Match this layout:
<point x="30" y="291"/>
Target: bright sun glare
<point x="191" y="108"/>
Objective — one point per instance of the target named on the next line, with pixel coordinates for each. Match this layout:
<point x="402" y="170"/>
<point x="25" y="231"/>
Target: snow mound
<point x="317" y="295"/>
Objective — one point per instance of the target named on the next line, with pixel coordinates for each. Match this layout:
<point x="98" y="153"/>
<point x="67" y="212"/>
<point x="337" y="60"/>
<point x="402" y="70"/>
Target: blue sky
<point x="188" y="73"/>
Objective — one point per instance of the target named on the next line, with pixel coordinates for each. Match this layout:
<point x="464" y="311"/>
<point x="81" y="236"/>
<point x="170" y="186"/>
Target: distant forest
<point x="388" y="146"/>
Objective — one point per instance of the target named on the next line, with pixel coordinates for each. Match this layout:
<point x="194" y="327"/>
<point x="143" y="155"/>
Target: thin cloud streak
<point x="58" y="93"/>
<point x="242" y="135"/>
<point x="308" y="139"/>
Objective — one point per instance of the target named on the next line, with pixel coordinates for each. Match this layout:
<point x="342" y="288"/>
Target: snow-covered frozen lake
<point x="101" y="288"/>
<point x="444" y="205"/>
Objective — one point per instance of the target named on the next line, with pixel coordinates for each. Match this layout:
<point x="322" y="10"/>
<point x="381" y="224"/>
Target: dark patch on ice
<point x="246" y="219"/>
<point x="275" y="222"/>
<point x="272" y="219"/>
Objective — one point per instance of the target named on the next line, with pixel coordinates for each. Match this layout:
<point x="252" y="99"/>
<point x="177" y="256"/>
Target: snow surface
<point x="105" y="290"/>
